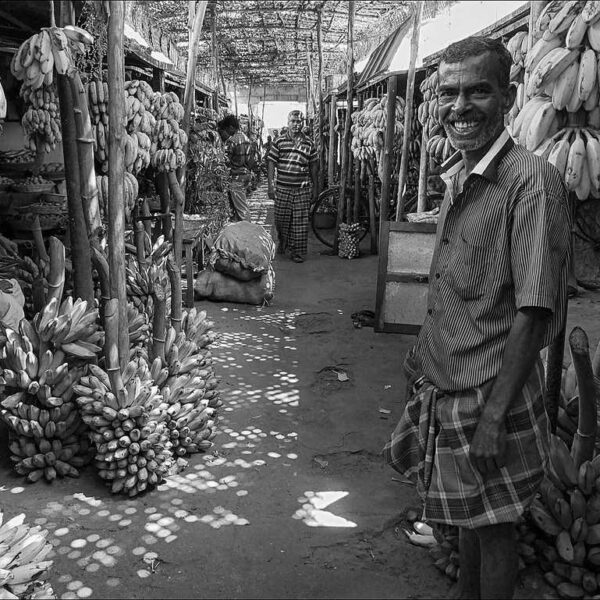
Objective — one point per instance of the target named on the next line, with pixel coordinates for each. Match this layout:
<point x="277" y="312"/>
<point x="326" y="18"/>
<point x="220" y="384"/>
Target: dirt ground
<point x="294" y="500"/>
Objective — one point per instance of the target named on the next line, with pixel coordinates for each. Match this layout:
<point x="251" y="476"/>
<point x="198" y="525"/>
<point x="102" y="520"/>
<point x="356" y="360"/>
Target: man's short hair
<point x="476" y="46"/>
<point x="295" y="113"/>
<point x="228" y="121"/>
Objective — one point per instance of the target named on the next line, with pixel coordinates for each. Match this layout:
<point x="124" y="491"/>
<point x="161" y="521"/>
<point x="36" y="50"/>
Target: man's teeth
<point x="465" y="124"/>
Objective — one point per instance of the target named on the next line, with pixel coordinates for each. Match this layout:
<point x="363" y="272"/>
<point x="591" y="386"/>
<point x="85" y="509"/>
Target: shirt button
<point x="429" y="311"/>
<point x="437" y="275"/>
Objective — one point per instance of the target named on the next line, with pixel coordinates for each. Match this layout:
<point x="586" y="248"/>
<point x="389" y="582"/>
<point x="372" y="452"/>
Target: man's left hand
<point x="488" y="447"/>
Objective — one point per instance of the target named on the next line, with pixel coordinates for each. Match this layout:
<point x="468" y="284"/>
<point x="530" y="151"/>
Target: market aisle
<point x="294" y="501"/>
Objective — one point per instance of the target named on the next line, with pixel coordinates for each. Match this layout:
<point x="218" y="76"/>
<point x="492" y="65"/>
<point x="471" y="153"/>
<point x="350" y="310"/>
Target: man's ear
<point x="509" y="97"/>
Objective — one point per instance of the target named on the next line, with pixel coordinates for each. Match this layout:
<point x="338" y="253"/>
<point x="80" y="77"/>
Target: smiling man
<point x="474" y="432"/>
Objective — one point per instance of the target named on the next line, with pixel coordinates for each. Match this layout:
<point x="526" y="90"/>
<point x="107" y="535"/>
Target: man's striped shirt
<point x="238" y="148"/>
<point x="503" y="241"/>
<point x="292" y="157"/>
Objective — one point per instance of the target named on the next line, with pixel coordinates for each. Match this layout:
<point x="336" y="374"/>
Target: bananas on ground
<point x="369" y="124"/>
<point x="24" y="559"/>
<point x="185" y="376"/>
<point x="39" y="364"/>
<point x="127" y="427"/>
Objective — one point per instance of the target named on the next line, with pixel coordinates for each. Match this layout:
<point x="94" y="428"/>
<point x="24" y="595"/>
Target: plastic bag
<point x="212" y="285"/>
<point x="242" y="250"/>
<point x="11" y="304"/>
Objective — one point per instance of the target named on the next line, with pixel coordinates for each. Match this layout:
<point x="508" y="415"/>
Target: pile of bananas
<point x="127" y="427"/>
<point x="97" y="95"/>
<point x="568" y="516"/>
<point x="349" y="240"/>
<point x="40" y="363"/>
<point x="185" y="376"/>
<point x="130" y="194"/>
<point x="557" y="115"/>
<point x="139" y="327"/>
<point x="23" y="563"/>
<point x="41" y="121"/>
<point x="138" y="103"/>
<point x="438" y="145"/>
<point x="368" y="127"/>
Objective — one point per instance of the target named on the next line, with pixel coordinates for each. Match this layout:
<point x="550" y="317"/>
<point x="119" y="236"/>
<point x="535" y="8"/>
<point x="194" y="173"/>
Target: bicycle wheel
<point x="323" y="215"/>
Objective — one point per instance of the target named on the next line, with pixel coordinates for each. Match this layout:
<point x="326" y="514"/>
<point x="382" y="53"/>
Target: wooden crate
<point x="403" y="276"/>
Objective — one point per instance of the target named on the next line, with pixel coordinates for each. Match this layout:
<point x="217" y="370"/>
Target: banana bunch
<point x="97" y="95"/>
<point x="23" y="563"/>
<point x="127" y="427"/>
<point x="139" y="327"/>
<point x="141" y="281"/>
<point x="517" y="46"/>
<point x="100" y="135"/>
<point x="21" y="268"/>
<point x="130" y="193"/>
<point x="567" y="515"/>
<point x="138" y="102"/>
<point x="369" y="124"/>
<point x="438" y="145"/>
<point x="41" y="121"/>
<point x="166" y="106"/>
<point x="185" y="376"/>
<point x="142" y="144"/>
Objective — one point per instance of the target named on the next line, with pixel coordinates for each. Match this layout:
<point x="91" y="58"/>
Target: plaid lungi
<point x="291" y="218"/>
<point x="431" y="443"/>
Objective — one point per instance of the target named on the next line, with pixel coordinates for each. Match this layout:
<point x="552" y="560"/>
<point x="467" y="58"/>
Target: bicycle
<point x="323" y="214"/>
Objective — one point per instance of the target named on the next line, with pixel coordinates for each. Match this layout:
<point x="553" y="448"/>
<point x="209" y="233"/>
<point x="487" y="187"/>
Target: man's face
<point x="471" y="102"/>
<point x="295" y="124"/>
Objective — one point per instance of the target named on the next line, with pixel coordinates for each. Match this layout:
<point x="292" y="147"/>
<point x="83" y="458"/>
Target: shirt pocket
<point x="471" y="266"/>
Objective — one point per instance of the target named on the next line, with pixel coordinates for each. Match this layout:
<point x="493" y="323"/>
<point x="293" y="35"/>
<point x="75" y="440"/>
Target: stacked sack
<point x="239" y="266"/>
<point x="369" y="124"/>
<point x="557" y="114"/>
<point x="168" y="139"/>
<point x="39" y="364"/>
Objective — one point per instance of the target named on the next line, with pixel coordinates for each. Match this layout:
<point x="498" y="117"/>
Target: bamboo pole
<point x="332" y="141"/>
<point x="116" y="172"/>
<point x="408" y="110"/>
<point x="388" y="149"/>
<point x="235" y="93"/>
<point x="87" y="171"/>
<point x="80" y="248"/>
<point x="357" y="176"/>
<point x="423" y="169"/>
<point x="249" y="106"/>
<point x="345" y="149"/>
<point x="320" y="98"/>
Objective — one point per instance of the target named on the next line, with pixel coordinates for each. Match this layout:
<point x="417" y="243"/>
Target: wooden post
<point x="332" y="141"/>
<point x="372" y="223"/>
<point x="249" y="106"/>
<point x="116" y="172"/>
<point x="321" y="107"/>
<point x="357" y="170"/>
<point x="158" y="80"/>
<point x="388" y="149"/>
<point x="235" y="93"/>
<point x="423" y="164"/>
<point x="345" y="148"/>
<point x="408" y="109"/>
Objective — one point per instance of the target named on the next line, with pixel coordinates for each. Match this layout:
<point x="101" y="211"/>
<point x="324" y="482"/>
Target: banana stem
<point x="585" y="438"/>
<point x="176" y="295"/>
<point x="101" y="265"/>
<point x="159" y="326"/>
<point x="56" y="277"/>
<point x="111" y="345"/>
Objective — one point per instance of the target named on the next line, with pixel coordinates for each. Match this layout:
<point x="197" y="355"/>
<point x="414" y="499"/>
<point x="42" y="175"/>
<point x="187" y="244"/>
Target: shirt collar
<point x="487" y="167"/>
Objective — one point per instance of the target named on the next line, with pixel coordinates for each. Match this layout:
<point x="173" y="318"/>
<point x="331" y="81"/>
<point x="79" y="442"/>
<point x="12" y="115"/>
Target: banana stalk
<point x="111" y="343"/>
<point x="176" y="295"/>
<point x="584" y="440"/>
<point x="56" y="277"/>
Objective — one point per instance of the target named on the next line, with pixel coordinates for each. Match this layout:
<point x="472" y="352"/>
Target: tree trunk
<point x="116" y="173"/>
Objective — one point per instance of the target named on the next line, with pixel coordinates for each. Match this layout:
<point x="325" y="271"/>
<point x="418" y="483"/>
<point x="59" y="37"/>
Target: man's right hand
<point x="271" y="193"/>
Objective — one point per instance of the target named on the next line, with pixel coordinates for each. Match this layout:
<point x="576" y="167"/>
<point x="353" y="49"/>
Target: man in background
<point x="295" y="159"/>
<point x="241" y="161"/>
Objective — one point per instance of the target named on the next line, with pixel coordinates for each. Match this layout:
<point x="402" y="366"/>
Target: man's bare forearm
<point x="270" y="173"/>
<point x="522" y="351"/>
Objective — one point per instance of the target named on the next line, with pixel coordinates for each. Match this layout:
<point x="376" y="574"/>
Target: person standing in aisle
<point x="241" y="162"/>
<point x="295" y="159"/>
<point x="474" y="433"/>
